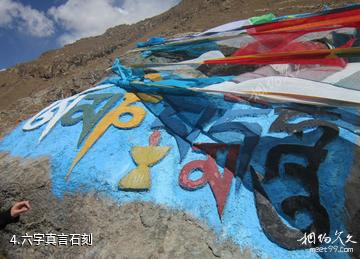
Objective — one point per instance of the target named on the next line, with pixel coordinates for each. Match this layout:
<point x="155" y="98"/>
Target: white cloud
<point x="92" y="17"/>
<point x="24" y="18"/>
<point x="78" y="18"/>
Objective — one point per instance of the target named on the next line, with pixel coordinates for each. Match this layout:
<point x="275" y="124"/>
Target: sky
<point x="31" y="27"/>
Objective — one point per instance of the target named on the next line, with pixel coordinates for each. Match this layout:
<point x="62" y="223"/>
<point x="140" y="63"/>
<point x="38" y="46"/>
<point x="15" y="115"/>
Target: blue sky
<point x="31" y="27"/>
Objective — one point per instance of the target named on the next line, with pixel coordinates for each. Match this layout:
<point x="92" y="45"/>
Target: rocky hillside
<point x="132" y="230"/>
<point x="26" y="88"/>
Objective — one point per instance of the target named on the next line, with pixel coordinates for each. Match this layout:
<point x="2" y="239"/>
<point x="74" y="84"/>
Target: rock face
<point x="134" y="230"/>
<point x="352" y="188"/>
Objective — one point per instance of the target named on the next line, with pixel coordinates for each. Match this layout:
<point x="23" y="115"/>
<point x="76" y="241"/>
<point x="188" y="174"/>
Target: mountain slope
<point x="26" y="88"/>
